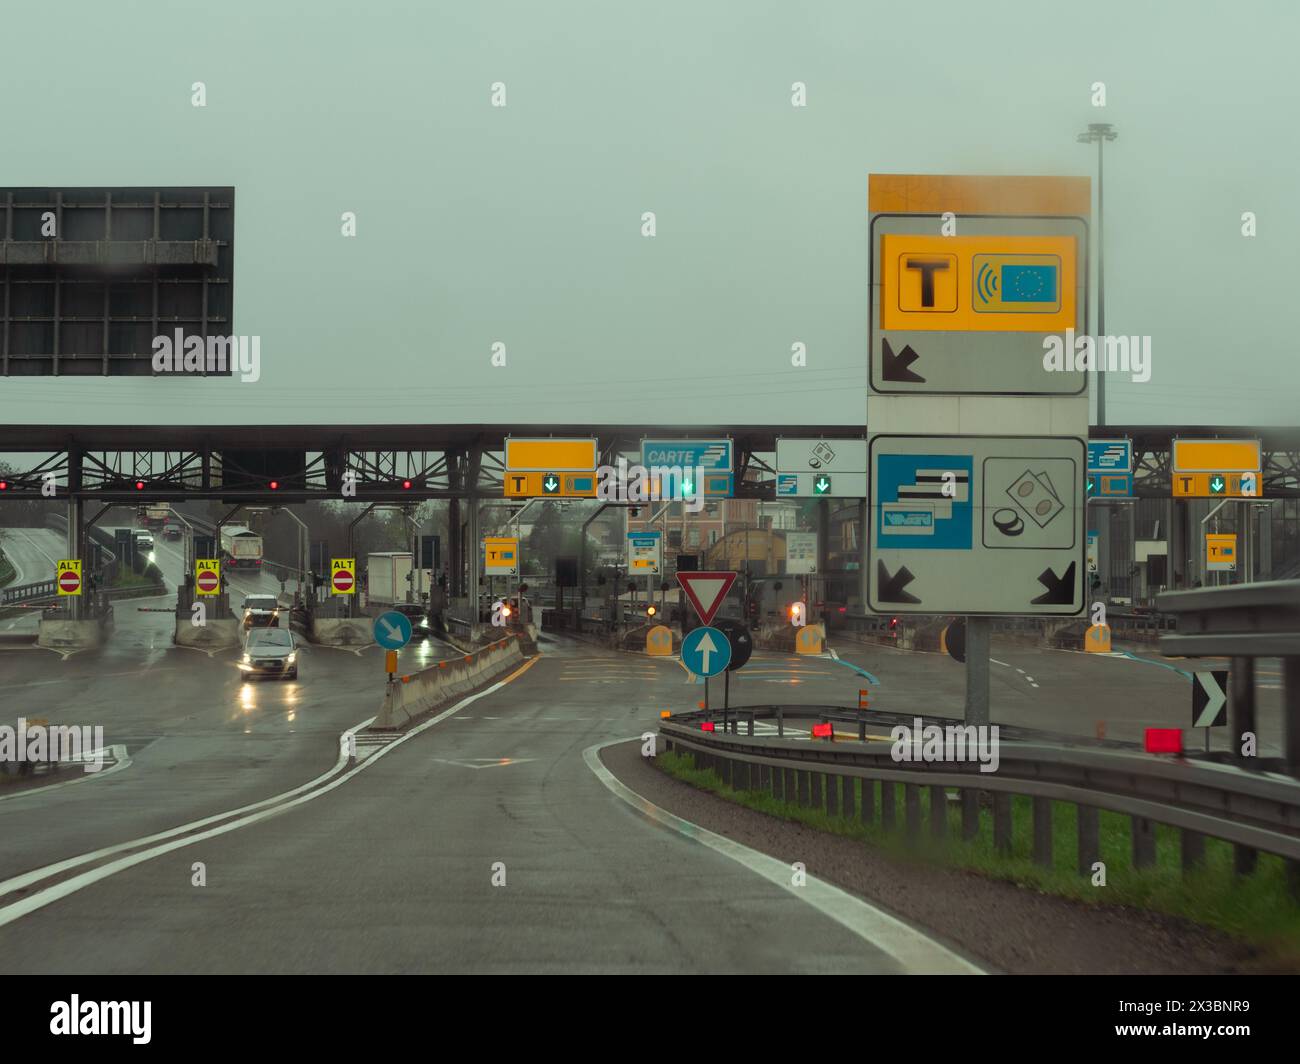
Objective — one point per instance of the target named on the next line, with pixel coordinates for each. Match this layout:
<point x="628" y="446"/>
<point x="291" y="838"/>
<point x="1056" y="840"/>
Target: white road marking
<point x="278" y="804"/>
<point x="914" y="950"/>
<point x="121" y="761"/>
<point x="1004" y="664"/>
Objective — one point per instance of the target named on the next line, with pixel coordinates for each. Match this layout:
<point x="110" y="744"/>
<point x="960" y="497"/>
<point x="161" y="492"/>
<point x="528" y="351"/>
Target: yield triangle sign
<point x="706" y="591"/>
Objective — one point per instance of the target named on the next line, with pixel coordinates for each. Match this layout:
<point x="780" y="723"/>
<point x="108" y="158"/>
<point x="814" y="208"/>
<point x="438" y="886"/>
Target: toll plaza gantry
<point x="466" y="465"/>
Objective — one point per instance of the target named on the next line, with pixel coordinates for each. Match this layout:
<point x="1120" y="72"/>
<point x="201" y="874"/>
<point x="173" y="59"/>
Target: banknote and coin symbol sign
<point x="1024" y="501"/>
<point x="1035" y="494"/>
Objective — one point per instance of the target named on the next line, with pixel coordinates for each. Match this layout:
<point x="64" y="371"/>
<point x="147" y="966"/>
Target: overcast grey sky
<point x="522" y="224"/>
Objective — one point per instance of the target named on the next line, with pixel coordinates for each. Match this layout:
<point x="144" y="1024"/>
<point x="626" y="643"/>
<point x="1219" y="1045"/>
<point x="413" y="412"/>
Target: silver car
<point x="270" y="652"/>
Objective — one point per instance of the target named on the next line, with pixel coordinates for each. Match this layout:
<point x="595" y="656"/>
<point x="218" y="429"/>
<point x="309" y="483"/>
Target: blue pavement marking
<point x="858" y="669"/>
<point x="1151" y="661"/>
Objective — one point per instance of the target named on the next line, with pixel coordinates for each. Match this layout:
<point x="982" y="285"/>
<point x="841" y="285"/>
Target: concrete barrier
<point x="342" y="631"/>
<point x="214" y="635"/>
<point x="430" y="687"/>
<point x="70" y="635"/>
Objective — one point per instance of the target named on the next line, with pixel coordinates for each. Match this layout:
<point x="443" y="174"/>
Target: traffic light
<point x="650" y="610"/>
<point x="274" y="485"/>
<point x="139" y="485"/>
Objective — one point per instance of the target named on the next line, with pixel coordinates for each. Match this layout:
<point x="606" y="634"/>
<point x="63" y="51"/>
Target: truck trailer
<point x="388" y="577"/>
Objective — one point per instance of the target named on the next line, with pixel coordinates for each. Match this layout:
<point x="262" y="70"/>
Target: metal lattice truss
<point x="281" y="465"/>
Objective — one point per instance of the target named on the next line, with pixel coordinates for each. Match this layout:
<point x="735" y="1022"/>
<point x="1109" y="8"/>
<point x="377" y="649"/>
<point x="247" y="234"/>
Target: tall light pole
<point x="1100" y="132"/>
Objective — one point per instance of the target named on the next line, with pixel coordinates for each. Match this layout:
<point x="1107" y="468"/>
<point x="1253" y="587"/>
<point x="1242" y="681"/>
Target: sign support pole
<point x="474" y="545"/>
<point x="74" y="551"/>
<point x="977" y="670"/>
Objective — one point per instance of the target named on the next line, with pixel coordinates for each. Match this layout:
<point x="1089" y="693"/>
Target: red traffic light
<point x="4" y="485"/>
<point x="406" y="484"/>
<point x="139" y="485"/>
<point x="275" y="485"/>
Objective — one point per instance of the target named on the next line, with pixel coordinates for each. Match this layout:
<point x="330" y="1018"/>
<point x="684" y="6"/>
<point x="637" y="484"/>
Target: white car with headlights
<point x="261" y="611"/>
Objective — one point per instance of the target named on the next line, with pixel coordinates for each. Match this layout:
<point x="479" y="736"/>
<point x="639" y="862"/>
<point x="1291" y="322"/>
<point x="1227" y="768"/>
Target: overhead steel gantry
<point x="395" y="464"/>
<point x="401" y="463"/>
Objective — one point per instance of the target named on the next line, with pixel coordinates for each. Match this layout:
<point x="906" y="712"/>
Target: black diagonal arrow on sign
<point x="1210" y="699"/>
<point x="1060" y="589"/>
<point x="890" y="588"/>
<point x="894" y="366"/>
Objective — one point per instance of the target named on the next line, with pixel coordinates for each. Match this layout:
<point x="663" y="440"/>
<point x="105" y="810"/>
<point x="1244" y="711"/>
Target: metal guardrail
<point x="1253" y="810"/>
<point x="28" y="592"/>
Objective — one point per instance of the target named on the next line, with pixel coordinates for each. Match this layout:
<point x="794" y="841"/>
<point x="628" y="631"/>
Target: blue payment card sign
<point x="924" y="501"/>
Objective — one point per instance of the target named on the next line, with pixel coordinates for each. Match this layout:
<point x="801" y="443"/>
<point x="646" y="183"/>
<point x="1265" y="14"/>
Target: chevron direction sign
<point x="1210" y="699"/>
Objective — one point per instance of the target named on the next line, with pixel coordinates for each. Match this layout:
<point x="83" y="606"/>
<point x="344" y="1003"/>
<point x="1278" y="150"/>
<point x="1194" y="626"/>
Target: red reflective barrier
<point x="1164" y="741"/>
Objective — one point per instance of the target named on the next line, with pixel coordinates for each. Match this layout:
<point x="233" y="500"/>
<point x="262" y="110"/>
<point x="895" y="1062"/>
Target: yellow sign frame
<point x="207" y="565"/>
<point x="69" y="565"/>
<point x="344" y="565"/>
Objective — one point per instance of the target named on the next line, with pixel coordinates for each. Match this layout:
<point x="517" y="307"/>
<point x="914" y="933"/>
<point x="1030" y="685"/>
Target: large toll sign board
<point x="977" y="525"/>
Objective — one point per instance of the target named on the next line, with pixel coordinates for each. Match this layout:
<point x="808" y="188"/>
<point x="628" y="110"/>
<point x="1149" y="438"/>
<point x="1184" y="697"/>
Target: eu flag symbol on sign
<point x="1016" y="284"/>
<point x="1028" y="284"/>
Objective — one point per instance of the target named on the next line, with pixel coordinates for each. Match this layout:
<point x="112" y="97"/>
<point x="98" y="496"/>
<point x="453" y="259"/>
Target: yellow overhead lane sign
<point x="1216" y="456"/>
<point x="551" y="456"/>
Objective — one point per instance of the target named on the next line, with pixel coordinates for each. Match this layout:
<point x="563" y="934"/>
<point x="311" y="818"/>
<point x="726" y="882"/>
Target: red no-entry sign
<point x="70" y="580"/>
<point x="208" y="581"/>
<point x="342" y="580"/>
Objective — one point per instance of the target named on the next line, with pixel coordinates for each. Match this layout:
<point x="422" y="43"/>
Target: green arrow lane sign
<point x="822" y="485"/>
<point x="1217" y="484"/>
<point x="551" y="485"/>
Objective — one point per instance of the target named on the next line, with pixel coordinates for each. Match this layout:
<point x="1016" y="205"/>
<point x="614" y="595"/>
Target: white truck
<point x="241" y="548"/>
<point x="386" y="577"/>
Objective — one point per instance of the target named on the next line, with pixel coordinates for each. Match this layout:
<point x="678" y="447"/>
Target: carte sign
<point x="978" y="525"/>
<point x="343" y="576"/>
<point x="969" y="277"/>
<point x="207" y="576"/>
<point x="68" y="577"/>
